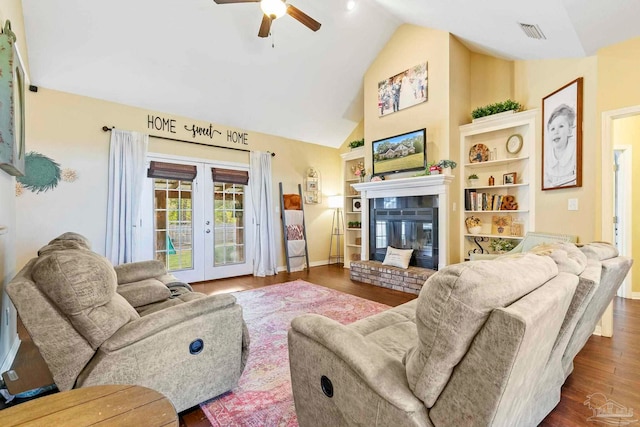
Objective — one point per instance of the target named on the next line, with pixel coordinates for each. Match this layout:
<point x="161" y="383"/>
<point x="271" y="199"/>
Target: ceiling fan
<point x="274" y="9"/>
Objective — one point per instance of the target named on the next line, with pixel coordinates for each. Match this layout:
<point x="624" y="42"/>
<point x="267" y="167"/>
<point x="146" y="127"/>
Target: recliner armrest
<point x="153" y="323"/>
<point x="137" y="271"/>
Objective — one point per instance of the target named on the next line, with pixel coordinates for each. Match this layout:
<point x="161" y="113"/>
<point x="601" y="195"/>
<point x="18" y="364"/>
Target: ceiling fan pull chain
<point x="273" y="44"/>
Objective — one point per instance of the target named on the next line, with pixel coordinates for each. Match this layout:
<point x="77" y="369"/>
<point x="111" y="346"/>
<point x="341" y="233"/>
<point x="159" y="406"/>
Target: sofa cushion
<point x="136" y="271"/>
<point x="67" y="240"/>
<point x="566" y="255"/>
<point x="144" y="292"/>
<point x="599" y="251"/>
<point x="82" y="284"/>
<point x="452" y="307"/>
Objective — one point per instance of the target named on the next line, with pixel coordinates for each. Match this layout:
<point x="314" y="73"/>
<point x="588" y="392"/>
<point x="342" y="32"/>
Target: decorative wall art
<point x="42" y="174"/>
<point x="12" y="82"/>
<point x="403" y="90"/>
<point x="312" y="184"/>
<point x="562" y="137"/>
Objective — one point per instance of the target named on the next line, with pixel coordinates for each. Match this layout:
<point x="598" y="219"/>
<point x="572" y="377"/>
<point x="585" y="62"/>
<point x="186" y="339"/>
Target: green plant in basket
<point x="498" y="107"/>
<point x="501" y="245"/>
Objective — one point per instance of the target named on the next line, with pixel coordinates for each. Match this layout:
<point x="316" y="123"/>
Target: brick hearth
<point x="373" y="272"/>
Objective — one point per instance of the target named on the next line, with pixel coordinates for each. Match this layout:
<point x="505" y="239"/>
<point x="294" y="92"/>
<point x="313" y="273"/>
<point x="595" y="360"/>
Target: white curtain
<point x="264" y="255"/>
<point x="127" y="153"/>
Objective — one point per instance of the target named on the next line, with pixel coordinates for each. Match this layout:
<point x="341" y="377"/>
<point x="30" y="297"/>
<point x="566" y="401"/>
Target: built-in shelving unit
<point x="491" y="134"/>
<point x="353" y="235"/>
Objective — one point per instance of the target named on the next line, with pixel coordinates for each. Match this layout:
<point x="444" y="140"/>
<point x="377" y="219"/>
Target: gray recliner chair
<point x="134" y="324"/>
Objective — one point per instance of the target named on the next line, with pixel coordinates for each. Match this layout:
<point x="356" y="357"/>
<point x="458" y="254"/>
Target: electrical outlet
<point x="572" y="205"/>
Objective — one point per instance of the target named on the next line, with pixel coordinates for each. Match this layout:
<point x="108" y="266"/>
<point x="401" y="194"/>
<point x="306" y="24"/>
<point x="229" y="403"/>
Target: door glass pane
<point x="173" y="225"/>
<point x="228" y="210"/>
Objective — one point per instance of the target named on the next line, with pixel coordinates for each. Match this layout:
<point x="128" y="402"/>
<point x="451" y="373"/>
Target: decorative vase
<point x="473" y="182"/>
<point x="475" y="230"/>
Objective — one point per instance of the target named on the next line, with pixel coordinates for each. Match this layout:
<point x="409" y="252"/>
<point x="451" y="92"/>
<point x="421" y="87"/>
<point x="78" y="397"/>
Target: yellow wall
<point x="533" y="81"/>
<point x="409" y="46"/>
<point x="459" y="101"/>
<point x="68" y="129"/>
<point x="447" y="107"/>
<point x="358" y="133"/>
<point x="626" y="131"/>
<point x="492" y="80"/>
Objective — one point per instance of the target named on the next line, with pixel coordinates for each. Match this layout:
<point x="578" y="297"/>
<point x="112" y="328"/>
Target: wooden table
<point x="106" y="405"/>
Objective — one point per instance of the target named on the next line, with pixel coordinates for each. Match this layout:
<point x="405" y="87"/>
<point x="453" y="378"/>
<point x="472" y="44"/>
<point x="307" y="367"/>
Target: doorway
<point x="607" y="206"/>
<point x="622" y="202"/>
<point x="195" y="221"/>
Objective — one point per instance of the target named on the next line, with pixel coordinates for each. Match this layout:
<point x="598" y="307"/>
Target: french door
<point x="199" y="228"/>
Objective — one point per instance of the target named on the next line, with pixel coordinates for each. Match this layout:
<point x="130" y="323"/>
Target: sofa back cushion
<point x="567" y="256"/>
<point x="82" y="284"/>
<point x="452" y="307"/>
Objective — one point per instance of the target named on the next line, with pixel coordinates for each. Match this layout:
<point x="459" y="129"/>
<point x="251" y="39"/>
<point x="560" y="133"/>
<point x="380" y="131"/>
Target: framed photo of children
<point x="562" y="137"/>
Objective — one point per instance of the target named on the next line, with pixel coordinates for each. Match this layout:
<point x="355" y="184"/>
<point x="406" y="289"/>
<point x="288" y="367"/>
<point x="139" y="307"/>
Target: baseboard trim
<point x="597" y="331"/>
<point x="635" y="295"/>
<point x="282" y="268"/>
<point x="11" y="355"/>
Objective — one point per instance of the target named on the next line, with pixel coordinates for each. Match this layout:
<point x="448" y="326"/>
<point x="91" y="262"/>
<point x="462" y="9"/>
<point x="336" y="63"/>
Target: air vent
<point x="532" y="31"/>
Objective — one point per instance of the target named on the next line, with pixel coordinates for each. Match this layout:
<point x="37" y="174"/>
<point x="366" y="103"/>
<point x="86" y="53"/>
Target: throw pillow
<point x="397" y="257"/>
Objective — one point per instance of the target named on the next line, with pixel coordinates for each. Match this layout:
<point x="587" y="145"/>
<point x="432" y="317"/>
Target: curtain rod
<point x="107" y="128"/>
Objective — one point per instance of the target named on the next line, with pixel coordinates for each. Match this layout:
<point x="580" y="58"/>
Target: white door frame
<point x="625" y="220"/>
<point x="198" y="217"/>
<point x="606" y="229"/>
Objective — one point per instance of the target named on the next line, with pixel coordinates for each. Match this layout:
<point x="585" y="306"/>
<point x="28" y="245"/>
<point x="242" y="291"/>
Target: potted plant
<point x="356" y="143"/>
<point x="432" y="169"/>
<point x="498" y="107"/>
<point x="473" y="180"/>
<point x="501" y="246"/>
<point x="447" y="166"/>
<point x="474" y="224"/>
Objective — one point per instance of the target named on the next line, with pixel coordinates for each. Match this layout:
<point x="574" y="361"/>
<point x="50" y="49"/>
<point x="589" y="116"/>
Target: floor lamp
<point x="336" y="203"/>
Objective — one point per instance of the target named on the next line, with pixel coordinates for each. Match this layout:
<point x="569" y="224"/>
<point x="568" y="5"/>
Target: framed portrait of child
<point x="562" y="137"/>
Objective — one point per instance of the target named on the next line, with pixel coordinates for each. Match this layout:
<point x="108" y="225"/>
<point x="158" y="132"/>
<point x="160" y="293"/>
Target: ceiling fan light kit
<point x="274" y="9"/>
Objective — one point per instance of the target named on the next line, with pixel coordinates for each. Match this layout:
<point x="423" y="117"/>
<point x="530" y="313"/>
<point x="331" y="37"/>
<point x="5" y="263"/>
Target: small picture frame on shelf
<point x="501" y="225"/>
<point x="356" y="204"/>
<point x="509" y="178"/>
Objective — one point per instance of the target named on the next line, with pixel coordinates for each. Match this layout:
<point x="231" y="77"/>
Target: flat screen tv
<point x="400" y="153"/>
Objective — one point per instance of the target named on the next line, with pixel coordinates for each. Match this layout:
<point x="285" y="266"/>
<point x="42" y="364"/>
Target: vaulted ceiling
<point x="204" y="61"/>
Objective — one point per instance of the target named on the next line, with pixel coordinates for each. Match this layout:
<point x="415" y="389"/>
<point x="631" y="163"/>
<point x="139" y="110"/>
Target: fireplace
<point x="429" y="185"/>
<point x="409" y="222"/>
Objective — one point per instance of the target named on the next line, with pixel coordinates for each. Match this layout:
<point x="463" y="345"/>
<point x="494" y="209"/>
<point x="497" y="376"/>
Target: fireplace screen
<point x="405" y="223"/>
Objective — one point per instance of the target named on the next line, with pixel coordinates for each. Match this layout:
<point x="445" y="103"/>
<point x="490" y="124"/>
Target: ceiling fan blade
<point x="235" y="1"/>
<point x="265" y="26"/>
<point x="303" y="18"/>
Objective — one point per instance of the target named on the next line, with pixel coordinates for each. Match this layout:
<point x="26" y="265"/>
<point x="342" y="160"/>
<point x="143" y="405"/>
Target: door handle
<point x="208" y="222"/>
<point x="207" y="231"/>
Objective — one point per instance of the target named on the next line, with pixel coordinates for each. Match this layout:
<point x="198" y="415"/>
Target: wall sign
<point x="164" y="124"/>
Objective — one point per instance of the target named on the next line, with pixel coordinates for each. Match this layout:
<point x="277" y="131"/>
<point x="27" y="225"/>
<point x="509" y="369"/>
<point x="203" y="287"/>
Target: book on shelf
<point x="477" y="201"/>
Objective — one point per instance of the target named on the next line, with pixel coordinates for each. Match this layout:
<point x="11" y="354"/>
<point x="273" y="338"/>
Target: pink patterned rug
<point x="263" y="397"/>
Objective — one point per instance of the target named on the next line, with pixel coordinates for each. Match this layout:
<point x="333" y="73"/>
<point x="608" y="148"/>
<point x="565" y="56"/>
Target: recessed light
<point x="351" y="4"/>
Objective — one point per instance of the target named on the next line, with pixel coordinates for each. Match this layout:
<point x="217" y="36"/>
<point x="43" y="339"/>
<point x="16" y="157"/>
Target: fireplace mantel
<point x="415" y="186"/>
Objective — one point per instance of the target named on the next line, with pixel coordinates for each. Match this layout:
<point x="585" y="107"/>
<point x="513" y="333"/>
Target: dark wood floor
<point x="607" y="365"/>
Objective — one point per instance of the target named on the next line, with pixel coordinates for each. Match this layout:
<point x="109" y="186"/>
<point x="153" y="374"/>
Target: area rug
<point x="263" y="397"/>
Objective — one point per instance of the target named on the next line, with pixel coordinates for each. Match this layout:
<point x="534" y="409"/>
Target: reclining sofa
<point x="486" y="343"/>
<point x="133" y="324"/>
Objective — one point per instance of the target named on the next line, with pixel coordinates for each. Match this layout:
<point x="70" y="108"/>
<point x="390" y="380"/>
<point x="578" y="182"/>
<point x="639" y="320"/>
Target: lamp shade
<point x="336" y="202"/>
